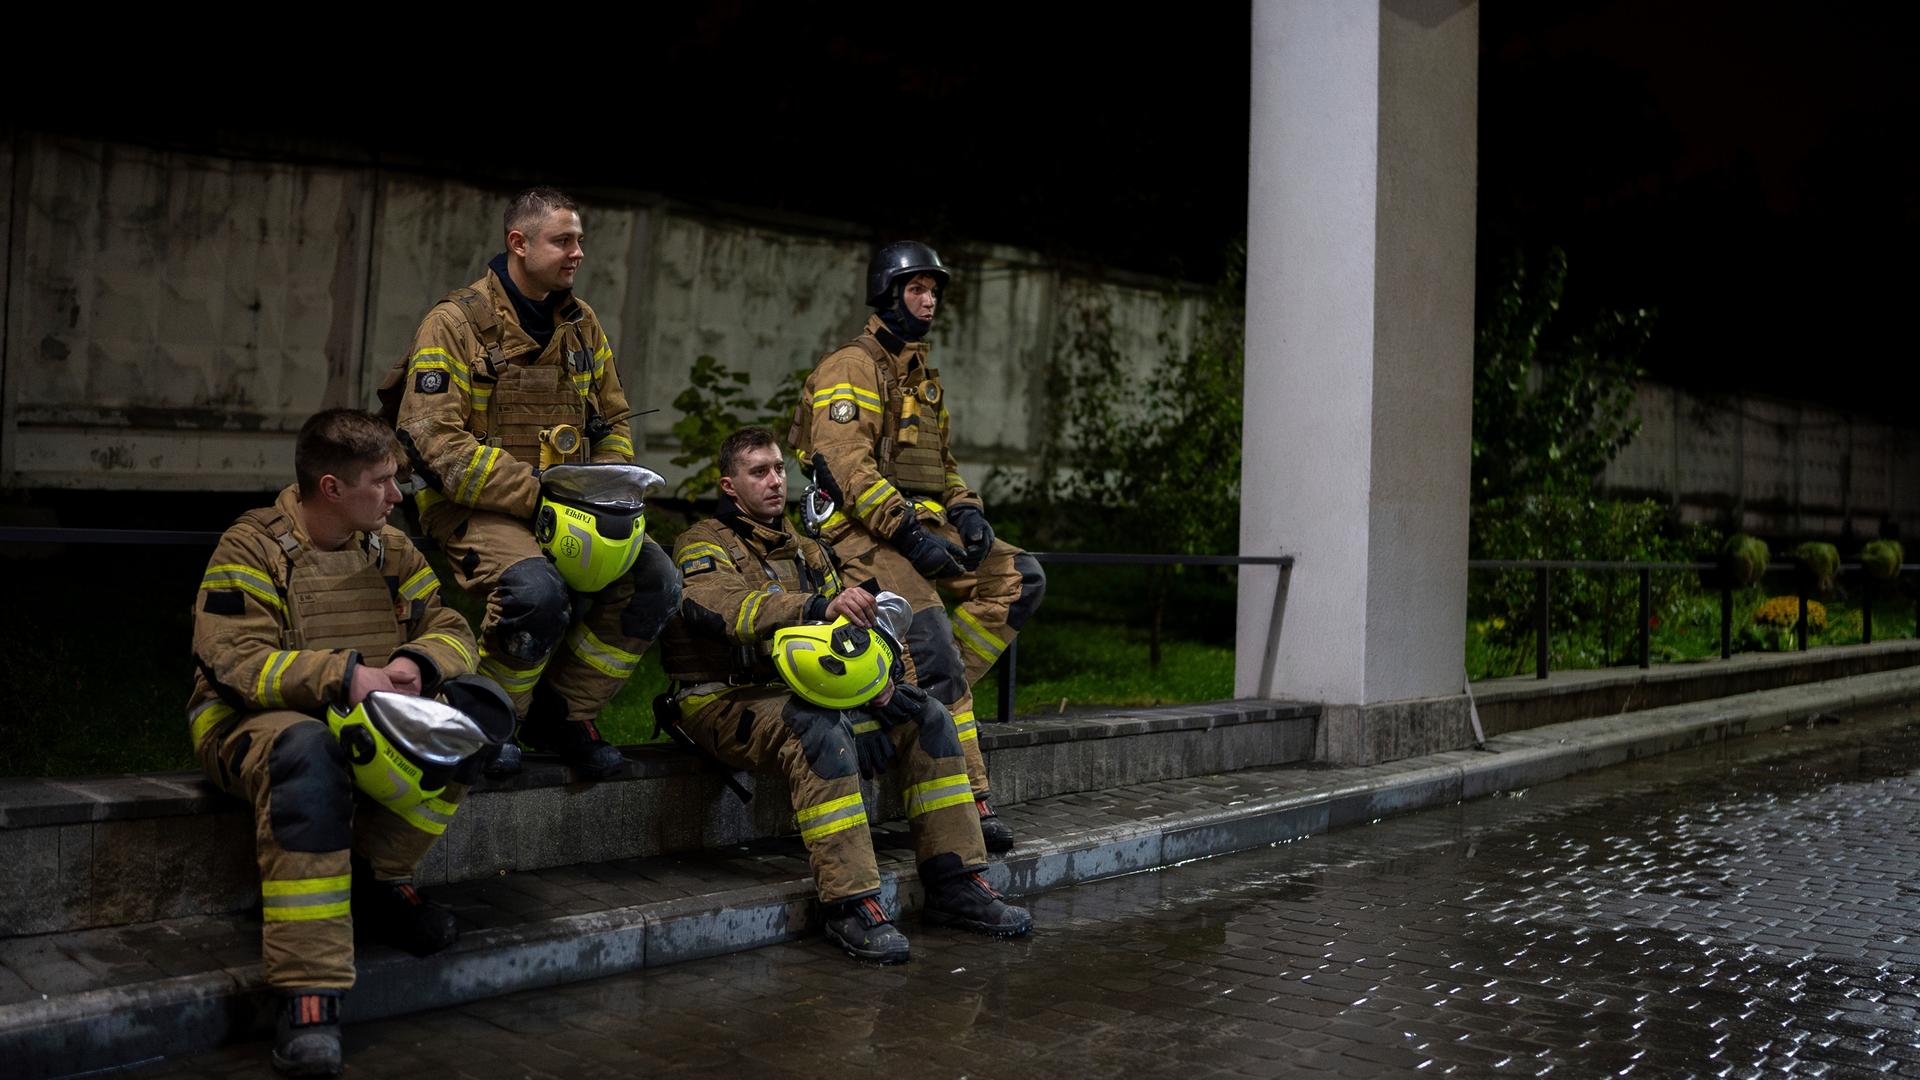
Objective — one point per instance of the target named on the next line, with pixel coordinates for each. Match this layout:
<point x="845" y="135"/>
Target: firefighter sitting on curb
<point x="876" y="412"/>
<point x="321" y="645"/>
<point x="778" y="666"/>
<point x="505" y="378"/>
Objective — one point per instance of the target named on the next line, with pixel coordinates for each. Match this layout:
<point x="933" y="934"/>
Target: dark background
<point x="1745" y="168"/>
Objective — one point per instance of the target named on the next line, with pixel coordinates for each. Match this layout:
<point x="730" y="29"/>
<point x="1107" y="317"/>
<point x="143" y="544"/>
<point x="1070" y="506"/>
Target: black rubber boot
<point x="968" y="902"/>
<point x="997" y="833"/>
<point x="861" y="928"/>
<point x="306" y="1033"/>
<point x="577" y="743"/>
<point x="505" y="760"/>
<point x="394" y="913"/>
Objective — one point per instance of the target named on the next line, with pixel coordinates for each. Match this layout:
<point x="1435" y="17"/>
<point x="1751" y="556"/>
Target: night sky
<point x="1746" y="168"/>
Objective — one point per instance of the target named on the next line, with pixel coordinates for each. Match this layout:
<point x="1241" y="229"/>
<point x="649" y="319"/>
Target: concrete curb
<point x="97" y="1029"/>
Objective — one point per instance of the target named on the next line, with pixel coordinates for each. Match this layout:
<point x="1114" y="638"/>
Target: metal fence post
<point x="1008" y="660"/>
<point x="1540" y="623"/>
<point x="1646" y="617"/>
<point x="1726" y="622"/>
<point x="1866" y="611"/>
<point x="1801" y="627"/>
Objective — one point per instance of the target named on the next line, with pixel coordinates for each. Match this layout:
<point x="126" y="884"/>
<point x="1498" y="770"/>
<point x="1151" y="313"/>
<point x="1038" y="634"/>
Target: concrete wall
<point x="1775" y="467"/>
<point x="169" y="318"/>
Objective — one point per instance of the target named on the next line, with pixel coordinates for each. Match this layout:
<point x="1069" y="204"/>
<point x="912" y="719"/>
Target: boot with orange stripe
<point x="394" y="913"/>
<point x="306" y="1033"/>
<point x="960" y="897"/>
<point x="861" y="928"/>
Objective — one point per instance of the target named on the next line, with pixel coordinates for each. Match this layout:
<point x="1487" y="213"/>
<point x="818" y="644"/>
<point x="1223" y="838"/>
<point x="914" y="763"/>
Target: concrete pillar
<point x="1360" y="269"/>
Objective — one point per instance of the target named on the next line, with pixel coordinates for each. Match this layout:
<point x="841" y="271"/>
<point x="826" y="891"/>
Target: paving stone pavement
<point x="1744" y="909"/>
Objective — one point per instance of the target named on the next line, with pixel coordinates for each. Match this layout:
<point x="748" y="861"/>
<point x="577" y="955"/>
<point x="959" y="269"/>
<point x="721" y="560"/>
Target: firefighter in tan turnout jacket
<point x="874" y="412"/>
<point x="507" y="377"/>
<point x="775" y="669"/>
<point x="306" y="608"/>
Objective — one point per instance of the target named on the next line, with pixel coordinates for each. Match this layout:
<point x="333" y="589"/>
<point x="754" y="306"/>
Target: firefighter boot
<point x="306" y="1033"/>
<point x="394" y="913"/>
<point x="997" y="833"/>
<point x="966" y="901"/>
<point x="862" y="929"/>
<point x="577" y="742"/>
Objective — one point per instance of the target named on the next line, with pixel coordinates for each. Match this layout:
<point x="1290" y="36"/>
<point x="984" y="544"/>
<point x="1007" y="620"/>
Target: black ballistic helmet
<point x="902" y="259"/>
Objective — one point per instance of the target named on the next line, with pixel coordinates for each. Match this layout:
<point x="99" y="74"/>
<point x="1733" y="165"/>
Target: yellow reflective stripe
<point x="266" y="688"/>
<point x="700" y="549"/>
<point x="245" y="578"/>
<point x="831" y="817"/>
<point x="208" y="716"/>
<point x="583" y="382"/>
<point x="931" y="505"/>
<point x="478" y="469"/>
<point x="964" y="726"/>
<point x="431" y="816"/>
<point x="823" y="809"/>
<point x="937" y="794"/>
<point x="420" y="585"/>
<point x="954" y="480"/>
<point x="481" y="397"/>
<point x="608" y="660"/>
<point x="513" y="680"/>
<point x="435" y="359"/>
<point x="859" y="395"/>
<point x="617" y="444"/>
<point x="749" y="611"/>
<point x="693" y="703"/>
<point x="303" y="899"/>
<point x="833" y="519"/>
<point x="466" y="654"/>
<point x="873" y="497"/>
<point x="975" y="637"/>
<point x="861" y="727"/>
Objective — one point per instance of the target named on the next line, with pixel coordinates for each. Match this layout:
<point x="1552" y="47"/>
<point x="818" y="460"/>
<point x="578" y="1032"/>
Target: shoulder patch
<point x="430" y="382"/>
<point x="841" y="412"/>
<point x="700" y="565"/>
<point x="224" y="602"/>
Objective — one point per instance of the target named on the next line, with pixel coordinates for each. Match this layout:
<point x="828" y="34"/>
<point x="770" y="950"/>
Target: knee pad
<point x="826" y="741"/>
<point x="309" y="791"/>
<point x="936" y="657"/>
<point x="534" y="609"/>
<point x="938" y="737"/>
<point x="656" y="594"/>
<point x="1033" y="586"/>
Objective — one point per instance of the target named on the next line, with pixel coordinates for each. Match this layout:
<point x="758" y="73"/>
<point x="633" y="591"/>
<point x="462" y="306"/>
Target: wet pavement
<point x="1745" y="909"/>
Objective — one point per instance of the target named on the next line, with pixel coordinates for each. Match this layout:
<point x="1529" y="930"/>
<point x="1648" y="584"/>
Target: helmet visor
<point x="428" y="731"/>
<point x="620" y="489"/>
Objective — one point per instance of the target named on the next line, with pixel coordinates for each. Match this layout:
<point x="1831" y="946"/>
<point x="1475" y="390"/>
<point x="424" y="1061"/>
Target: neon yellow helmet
<point x="837" y="665"/>
<point x="403" y="751"/>
<point x="592" y="521"/>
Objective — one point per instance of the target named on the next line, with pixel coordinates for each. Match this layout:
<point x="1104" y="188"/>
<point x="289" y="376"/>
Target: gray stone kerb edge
<point x="190" y="1013"/>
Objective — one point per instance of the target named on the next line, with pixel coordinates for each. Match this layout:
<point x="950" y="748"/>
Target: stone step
<point x="135" y="849"/>
<point x="99" y="998"/>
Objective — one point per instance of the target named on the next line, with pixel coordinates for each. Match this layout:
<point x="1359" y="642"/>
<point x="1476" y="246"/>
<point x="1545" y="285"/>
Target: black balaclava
<point x="901" y="321"/>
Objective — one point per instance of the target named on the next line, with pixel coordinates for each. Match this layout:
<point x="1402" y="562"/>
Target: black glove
<point x="974" y="532"/>
<point x="929" y="554"/>
<point x="906" y="706"/>
<point x="871" y="743"/>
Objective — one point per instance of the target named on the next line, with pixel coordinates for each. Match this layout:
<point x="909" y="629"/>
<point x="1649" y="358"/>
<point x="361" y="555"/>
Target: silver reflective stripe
<point x="306" y="899"/>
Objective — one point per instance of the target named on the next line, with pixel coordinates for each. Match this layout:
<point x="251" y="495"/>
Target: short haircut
<point x="532" y="206"/>
<point x="747" y="438"/>
<point x="342" y="443"/>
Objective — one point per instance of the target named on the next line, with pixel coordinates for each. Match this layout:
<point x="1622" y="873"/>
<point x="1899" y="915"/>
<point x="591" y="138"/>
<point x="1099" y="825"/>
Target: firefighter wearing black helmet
<point x="875" y="412"/>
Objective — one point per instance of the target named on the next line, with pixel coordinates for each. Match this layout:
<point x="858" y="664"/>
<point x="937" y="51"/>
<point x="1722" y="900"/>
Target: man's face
<point x="758" y="483"/>
<point x="366" y="501"/>
<point x="550" y="250"/>
<point x="921" y="297"/>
